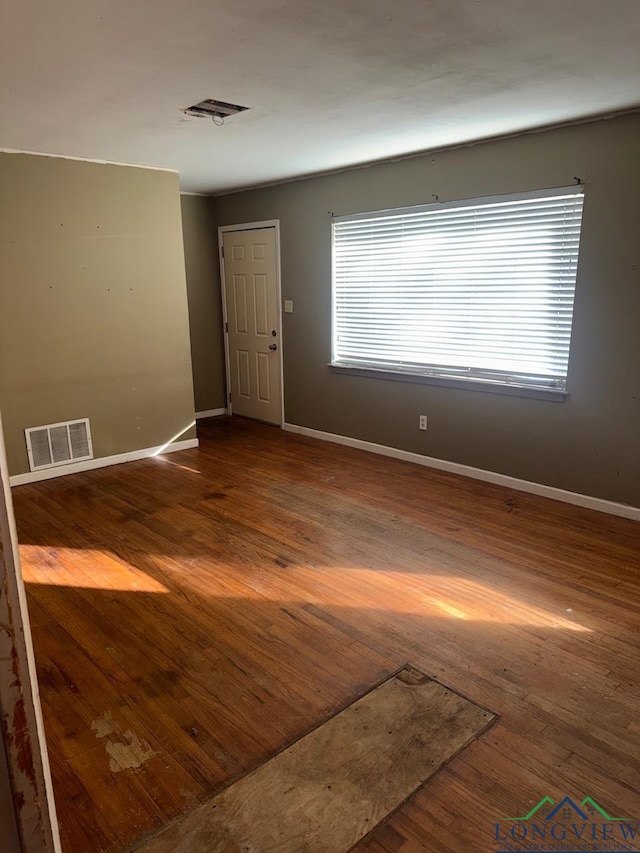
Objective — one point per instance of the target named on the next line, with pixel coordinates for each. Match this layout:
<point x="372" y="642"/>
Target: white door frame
<point x="25" y="744"/>
<point x="250" y="226"/>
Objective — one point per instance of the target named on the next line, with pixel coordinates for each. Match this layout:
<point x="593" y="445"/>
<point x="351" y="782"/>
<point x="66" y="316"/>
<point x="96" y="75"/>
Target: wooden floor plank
<point x="325" y="792"/>
<point x="203" y="610"/>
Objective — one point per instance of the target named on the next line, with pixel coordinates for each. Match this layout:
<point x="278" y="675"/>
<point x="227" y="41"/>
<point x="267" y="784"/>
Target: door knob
<point x="273" y="347"/>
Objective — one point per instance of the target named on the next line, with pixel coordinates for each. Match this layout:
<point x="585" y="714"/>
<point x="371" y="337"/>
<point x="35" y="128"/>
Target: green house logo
<point x="567" y="825"/>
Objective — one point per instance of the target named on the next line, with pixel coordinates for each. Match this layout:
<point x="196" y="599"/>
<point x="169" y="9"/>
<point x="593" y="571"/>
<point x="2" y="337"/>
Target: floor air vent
<point x="59" y="444"/>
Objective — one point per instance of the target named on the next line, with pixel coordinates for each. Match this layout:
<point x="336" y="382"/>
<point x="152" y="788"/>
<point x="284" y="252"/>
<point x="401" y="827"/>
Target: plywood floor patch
<point x="329" y="789"/>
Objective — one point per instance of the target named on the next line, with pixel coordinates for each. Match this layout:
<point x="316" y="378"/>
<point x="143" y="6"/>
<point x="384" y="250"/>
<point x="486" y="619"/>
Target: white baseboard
<point x="210" y="413"/>
<point x="103" y="462"/>
<point x="623" y="510"/>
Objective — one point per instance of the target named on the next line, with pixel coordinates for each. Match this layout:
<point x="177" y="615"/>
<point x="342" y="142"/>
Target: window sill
<point x="552" y="394"/>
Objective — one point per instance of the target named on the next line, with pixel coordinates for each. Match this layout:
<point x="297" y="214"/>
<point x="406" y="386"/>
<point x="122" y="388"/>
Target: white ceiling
<point x="330" y="83"/>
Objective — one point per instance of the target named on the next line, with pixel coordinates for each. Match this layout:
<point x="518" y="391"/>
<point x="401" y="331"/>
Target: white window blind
<point x="480" y="289"/>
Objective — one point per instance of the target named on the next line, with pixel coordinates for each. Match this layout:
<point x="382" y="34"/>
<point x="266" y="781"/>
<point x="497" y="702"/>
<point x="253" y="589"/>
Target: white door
<point x="253" y="323"/>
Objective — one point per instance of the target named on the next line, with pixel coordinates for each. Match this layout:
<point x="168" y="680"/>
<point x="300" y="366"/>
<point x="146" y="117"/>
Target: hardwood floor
<point x="193" y="614"/>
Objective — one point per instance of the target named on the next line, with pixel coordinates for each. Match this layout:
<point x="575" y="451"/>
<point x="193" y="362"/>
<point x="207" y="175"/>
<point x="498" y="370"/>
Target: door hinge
<point x="222" y="252"/>
<point x="226" y="327"/>
<point x="229" y="397"/>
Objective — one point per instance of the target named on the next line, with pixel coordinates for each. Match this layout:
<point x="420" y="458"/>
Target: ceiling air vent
<point x="59" y="444"/>
<point x="214" y="109"/>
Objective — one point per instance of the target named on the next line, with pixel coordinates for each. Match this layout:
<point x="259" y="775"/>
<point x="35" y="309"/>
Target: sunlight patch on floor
<point x="424" y="594"/>
<point x="167" y="461"/>
<point x="83" y="569"/>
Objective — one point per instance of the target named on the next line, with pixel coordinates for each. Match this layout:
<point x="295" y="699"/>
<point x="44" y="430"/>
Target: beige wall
<point x="93" y="309"/>
<point x="588" y="444"/>
<point x="205" y="305"/>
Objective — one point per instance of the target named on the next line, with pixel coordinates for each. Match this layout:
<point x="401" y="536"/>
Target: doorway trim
<point x="22" y="739"/>
<point x="250" y="226"/>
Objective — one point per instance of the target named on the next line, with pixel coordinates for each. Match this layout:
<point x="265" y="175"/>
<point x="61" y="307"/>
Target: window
<point x="480" y="290"/>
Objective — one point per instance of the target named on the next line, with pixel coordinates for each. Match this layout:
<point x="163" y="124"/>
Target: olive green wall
<point x="205" y="305"/>
<point x="591" y="442"/>
<point x="93" y="308"/>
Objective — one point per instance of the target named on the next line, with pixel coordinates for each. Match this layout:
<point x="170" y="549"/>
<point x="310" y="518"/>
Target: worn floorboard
<point x="330" y="788"/>
<point x="196" y="614"/>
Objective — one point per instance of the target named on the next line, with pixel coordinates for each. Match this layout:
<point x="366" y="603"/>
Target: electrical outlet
<point x="422" y="421"/>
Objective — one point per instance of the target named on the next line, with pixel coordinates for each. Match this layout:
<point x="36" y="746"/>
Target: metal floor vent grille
<point x="59" y="444"/>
